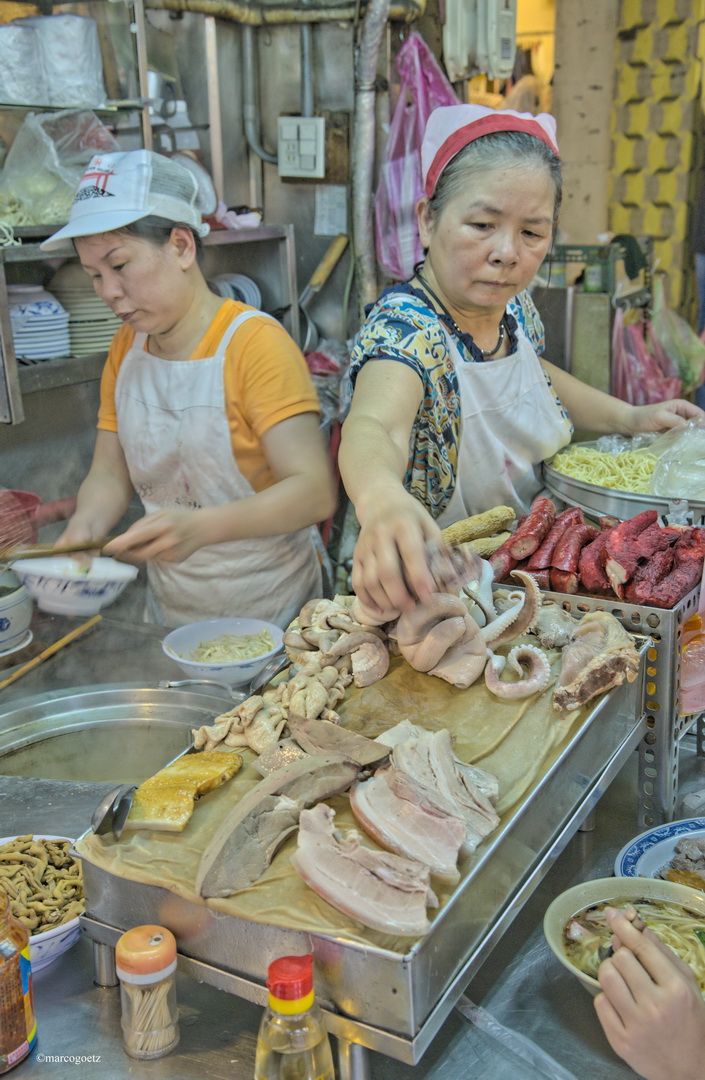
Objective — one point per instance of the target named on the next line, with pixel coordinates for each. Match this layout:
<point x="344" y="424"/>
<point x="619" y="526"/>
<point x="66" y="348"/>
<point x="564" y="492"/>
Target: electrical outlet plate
<point x="302" y="146"/>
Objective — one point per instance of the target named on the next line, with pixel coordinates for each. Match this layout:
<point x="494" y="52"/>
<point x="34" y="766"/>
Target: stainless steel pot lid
<point x="121" y="732"/>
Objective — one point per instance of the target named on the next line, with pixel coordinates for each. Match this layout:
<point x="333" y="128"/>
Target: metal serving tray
<point x="599" y="501"/>
<point x="391" y="1002"/>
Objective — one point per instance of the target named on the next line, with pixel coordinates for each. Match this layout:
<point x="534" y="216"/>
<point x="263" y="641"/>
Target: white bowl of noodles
<point x="232" y="651"/>
<point x="662" y="909"/>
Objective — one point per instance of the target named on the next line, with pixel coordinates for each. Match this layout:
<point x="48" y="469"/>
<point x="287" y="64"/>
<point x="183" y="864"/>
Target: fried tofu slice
<point x="166" y="800"/>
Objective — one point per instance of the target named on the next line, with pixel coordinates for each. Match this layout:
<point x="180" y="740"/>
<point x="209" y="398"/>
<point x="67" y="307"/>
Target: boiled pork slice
<point x="600" y="656"/>
<point x="250" y="834"/>
<point x="451" y="787"/>
<point x="382" y="891"/>
<point x="397" y="812"/>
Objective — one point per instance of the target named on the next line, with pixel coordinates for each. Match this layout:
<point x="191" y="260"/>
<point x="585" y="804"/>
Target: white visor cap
<point x="117" y="189"/>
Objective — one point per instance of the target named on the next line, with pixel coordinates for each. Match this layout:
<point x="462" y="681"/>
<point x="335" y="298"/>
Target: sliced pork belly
<point x="397" y="812"/>
<point x="378" y="889"/>
<point x="459" y="790"/>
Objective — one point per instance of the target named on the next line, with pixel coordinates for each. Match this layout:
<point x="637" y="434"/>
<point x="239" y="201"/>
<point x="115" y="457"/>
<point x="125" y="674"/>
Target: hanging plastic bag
<point x="424" y="87"/>
<point x="636" y="374"/>
<point x="677" y="339"/>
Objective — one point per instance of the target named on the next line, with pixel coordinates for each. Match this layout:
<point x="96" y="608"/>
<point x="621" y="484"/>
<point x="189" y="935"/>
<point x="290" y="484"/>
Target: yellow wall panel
<point x="660" y="57"/>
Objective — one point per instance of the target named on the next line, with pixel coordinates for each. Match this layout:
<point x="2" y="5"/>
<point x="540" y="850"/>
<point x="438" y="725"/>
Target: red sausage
<point x="541" y="577"/>
<point x="501" y="561"/>
<point x="568" y="548"/>
<point x="531" y="532"/>
<point x="565" y="581"/>
<point x="541" y="559"/>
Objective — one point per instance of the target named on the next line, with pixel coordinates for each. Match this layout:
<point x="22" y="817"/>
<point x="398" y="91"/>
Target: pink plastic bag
<point x="637" y="376"/>
<point x="424" y="87"/>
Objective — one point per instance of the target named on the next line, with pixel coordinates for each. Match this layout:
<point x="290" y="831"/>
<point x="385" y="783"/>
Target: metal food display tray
<point x="599" y="501"/>
<point x="665" y="727"/>
<point x="391" y="1002"/>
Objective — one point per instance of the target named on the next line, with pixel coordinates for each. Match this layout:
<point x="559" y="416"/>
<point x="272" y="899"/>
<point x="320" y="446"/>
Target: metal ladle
<point x="270" y="669"/>
<point x="104" y="816"/>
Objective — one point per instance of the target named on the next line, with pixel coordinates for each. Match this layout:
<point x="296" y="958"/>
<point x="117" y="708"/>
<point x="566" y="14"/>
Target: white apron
<point x="510" y="423"/>
<point x="174" y="432"/>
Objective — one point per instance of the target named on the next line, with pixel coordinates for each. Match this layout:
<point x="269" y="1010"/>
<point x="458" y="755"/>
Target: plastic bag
<point x="680" y="469"/>
<point x="71" y="59"/>
<point x="424" y="87"/>
<point x="45" y="163"/>
<point x="636" y="374"/>
<point x="22" y="78"/>
<point x="678" y="340"/>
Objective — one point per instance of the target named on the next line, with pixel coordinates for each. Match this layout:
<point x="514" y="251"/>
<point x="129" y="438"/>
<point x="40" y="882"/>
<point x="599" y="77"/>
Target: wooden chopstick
<point x="39" y="551"/>
<point x="50" y="650"/>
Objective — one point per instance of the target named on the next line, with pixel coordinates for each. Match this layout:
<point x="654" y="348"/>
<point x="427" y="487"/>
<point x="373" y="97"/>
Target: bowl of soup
<point x="577" y="933"/>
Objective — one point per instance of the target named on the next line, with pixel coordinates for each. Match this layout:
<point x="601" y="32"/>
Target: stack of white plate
<point x="238" y="287"/>
<point x="91" y="322"/>
<point x="39" y="324"/>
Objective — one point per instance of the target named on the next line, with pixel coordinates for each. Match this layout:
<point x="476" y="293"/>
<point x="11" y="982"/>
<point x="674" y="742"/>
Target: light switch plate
<point x="302" y="146"/>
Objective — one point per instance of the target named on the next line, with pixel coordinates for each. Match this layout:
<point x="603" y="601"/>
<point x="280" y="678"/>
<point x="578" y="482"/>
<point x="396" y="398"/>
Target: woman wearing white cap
<point x="207" y="411"/>
<point x="457" y="412"/>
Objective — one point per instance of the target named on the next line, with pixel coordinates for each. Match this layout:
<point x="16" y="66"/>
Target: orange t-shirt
<point x="265" y="379"/>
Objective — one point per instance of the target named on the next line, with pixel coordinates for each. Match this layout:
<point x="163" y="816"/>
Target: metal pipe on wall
<point x="250" y="101"/>
<point x="363" y="152"/>
<point x="306" y="33"/>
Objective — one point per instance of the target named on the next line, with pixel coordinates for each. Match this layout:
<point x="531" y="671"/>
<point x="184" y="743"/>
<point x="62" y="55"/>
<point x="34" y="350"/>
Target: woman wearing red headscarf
<point x="458" y="411"/>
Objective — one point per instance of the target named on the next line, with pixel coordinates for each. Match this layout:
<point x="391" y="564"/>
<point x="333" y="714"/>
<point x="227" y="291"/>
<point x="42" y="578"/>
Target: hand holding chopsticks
<point x="50" y="650"/>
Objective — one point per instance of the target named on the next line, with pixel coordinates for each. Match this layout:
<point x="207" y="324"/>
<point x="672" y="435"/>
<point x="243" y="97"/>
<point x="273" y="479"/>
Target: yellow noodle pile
<point x="629" y="470"/>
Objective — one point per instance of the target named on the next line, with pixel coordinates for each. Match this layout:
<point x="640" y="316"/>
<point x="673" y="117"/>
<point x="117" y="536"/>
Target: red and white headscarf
<point x="452" y="127"/>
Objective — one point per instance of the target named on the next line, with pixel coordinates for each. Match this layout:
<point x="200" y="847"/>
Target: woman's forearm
<point x="102" y="500"/>
<point x="371" y="464"/>
<point x="590" y="409"/>
<point x="292" y="503"/>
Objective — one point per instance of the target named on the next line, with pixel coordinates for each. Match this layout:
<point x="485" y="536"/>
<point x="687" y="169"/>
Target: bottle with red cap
<point x="293" y="1042"/>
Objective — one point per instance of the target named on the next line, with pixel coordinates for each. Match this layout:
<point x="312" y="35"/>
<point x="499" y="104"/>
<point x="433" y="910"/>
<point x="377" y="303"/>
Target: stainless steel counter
<point x="521" y="984"/>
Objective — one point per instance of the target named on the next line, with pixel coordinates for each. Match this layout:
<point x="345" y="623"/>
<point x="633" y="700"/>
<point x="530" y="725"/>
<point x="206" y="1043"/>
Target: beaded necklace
<point x="486" y="353"/>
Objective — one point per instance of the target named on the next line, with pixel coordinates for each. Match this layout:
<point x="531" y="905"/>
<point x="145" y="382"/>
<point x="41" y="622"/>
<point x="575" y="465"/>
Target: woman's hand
<point x="166" y="535"/>
<point x="651" y="1008"/>
<point x="662" y="416"/>
<point x="390" y="561"/>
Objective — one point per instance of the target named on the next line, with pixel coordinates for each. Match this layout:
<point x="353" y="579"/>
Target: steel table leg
<point x="104" y="973"/>
<point x="353" y="1061"/>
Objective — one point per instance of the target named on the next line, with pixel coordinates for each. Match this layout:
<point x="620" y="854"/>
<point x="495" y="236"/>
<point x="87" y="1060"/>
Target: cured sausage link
<point x="571" y="543"/>
<point x="532" y="530"/>
<point x="502" y="562"/>
<point x="541" y="559"/>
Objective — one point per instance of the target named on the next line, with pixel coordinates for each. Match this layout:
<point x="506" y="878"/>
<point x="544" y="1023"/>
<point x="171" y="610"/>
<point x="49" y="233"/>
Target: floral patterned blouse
<point x="410" y="331"/>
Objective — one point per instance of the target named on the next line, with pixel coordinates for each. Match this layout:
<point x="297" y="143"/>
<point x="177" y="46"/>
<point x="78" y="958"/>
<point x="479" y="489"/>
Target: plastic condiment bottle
<point x="18" y="1027"/>
<point x="145" y="961"/>
<point x="293" y="1042"/>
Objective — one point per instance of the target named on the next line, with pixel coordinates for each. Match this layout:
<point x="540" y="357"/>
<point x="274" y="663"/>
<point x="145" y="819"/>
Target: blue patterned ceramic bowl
<point x="63" y="586"/>
<point x="46" y="947"/>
